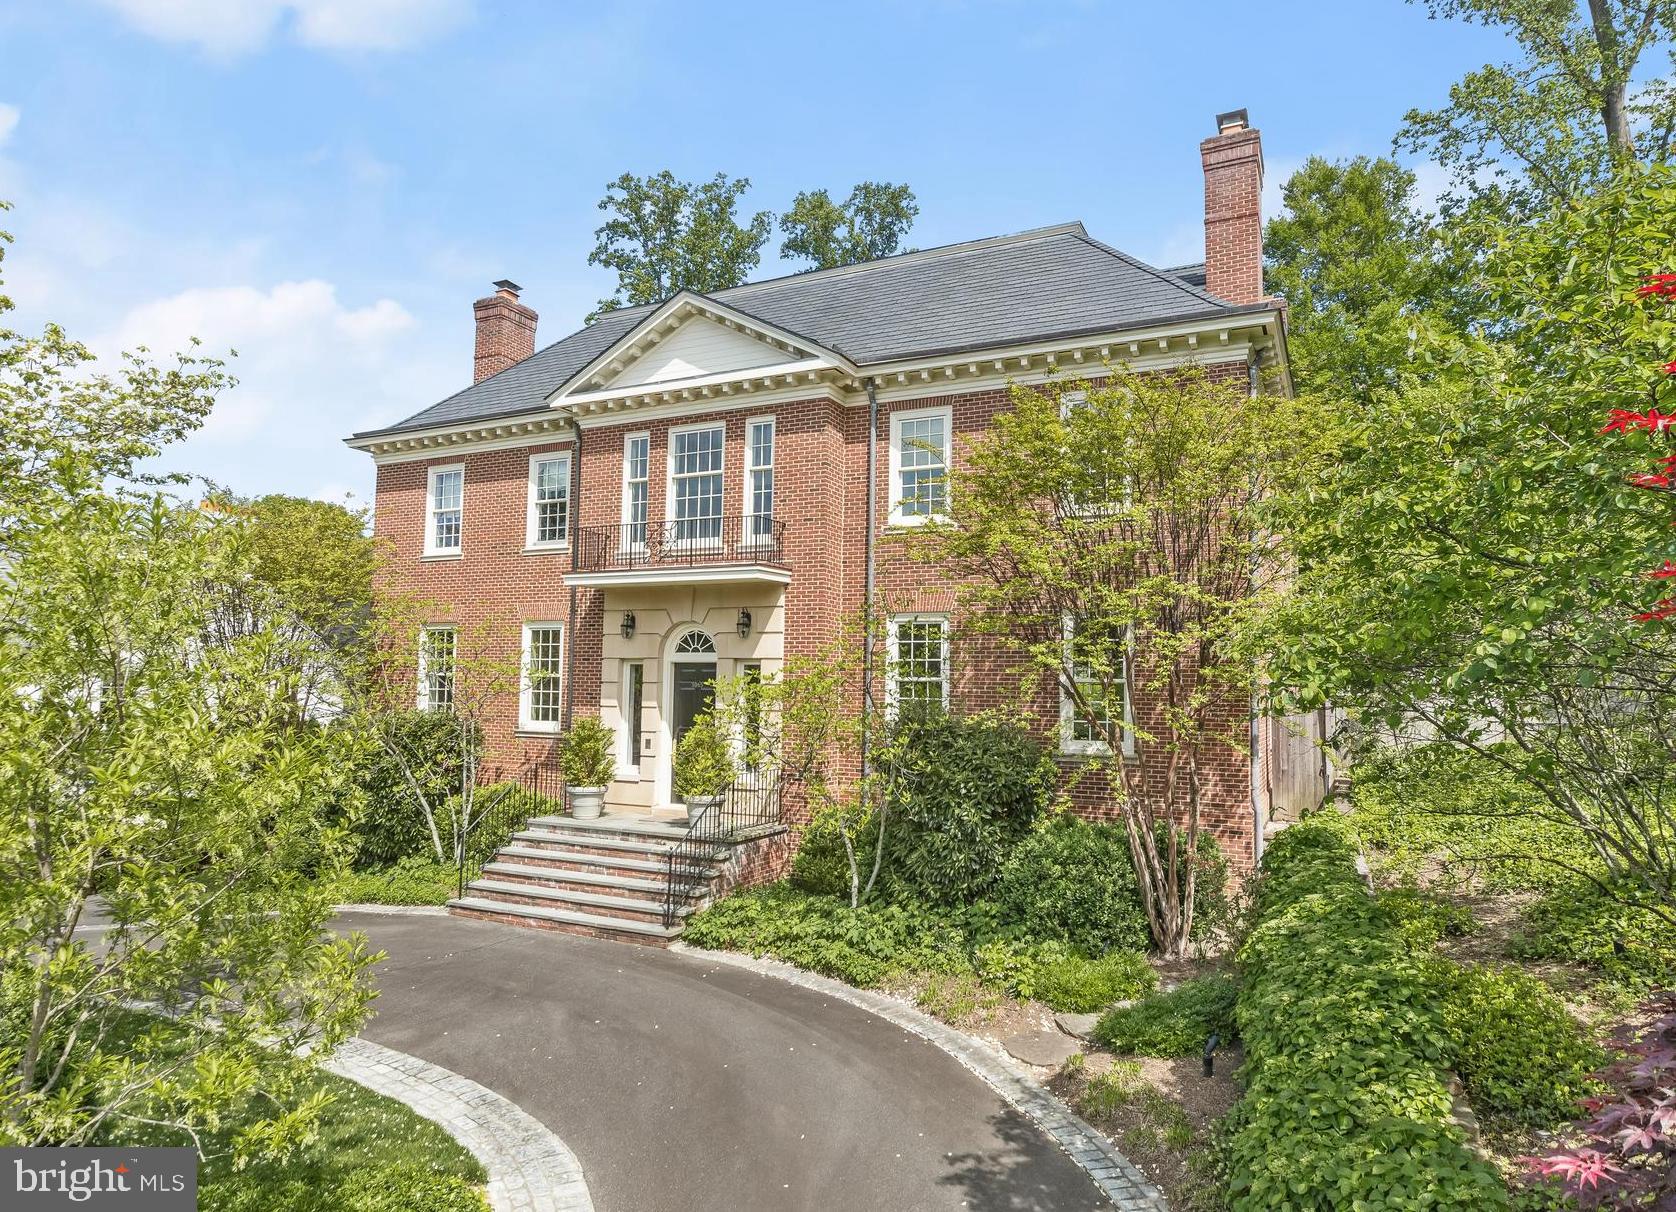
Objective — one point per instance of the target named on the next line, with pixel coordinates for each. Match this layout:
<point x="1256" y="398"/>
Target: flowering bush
<point x="1629" y="1160"/>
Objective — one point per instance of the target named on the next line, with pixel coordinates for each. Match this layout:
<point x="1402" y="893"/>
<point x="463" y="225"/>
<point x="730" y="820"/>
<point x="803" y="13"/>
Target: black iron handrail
<point x="682" y="542"/>
<point x="750" y="803"/>
<point x="540" y="790"/>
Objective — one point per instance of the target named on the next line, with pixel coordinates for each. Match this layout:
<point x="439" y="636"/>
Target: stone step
<point x="570" y="921"/>
<point x="586" y="902"/>
<point x="592" y="843"/>
<point x="570" y="860"/>
<point x="580" y="881"/>
<point x="610" y="826"/>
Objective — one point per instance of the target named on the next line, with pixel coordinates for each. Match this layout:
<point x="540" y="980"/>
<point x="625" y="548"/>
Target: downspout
<point x="1259" y="759"/>
<point x="868" y="577"/>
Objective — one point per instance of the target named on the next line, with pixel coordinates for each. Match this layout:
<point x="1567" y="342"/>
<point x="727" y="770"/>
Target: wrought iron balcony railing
<point x="682" y="543"/>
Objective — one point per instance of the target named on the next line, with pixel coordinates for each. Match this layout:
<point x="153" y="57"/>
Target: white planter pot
<point x="698" y="803"/>
<point x="586" y="802"/>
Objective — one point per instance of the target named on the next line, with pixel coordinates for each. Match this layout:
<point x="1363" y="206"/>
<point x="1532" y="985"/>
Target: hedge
<point x="1345" y="1103"/>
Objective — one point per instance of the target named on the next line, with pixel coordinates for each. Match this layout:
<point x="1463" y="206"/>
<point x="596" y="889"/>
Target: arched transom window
<point x="695" y="641"/>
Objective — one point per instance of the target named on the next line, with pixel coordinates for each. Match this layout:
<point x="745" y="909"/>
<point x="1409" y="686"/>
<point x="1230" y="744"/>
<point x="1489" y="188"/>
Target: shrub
<point x="1176" y="1023"/>
<point x="1578" y="922"/>
<point x="1521" y="1056"/>
<point x="389" y="824"/>
<point x="820" y="864"/>
<point x="1423" y="918"/>
<point x="585" y="753"/>
<point x="498" y="811"/>
<point x="414" y="880"/>
<point x="1062" y="977"/>
<point x="962" y="791"/>
<point x="1345" y="1104"/>
<point x="703" y="763"/>
<point x="1073" y="881"/>
<point x="865" y="946"/>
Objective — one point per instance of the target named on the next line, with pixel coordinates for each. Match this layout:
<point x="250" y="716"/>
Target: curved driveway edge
<point x="1114" y="1174"/>
<point x="530" y="1169"/>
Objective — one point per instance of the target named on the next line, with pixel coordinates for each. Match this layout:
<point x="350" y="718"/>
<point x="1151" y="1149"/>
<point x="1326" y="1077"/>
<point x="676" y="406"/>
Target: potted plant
<point x="703" y="765"/>
<point x="585" y="757"/>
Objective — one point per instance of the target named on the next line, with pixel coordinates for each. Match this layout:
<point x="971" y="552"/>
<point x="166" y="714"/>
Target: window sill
<point x="431" y="557"/>
<point x="544" y="732"/>
<point x="547" y="549"/>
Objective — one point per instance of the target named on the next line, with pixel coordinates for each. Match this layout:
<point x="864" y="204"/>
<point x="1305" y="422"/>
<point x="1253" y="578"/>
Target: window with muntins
<point x="543" y="705"/>
<point x="1099" y="669"/>
<point x="443" y="524"/>
<point x="759" y="479"/>
<point x="637" y="459"/>
<point x="436" y="669"/>
<point x="695" y="476"/>
<point x="919" y="659"/>
<point x="549" y="521"/>
<point x="920" y="453"/>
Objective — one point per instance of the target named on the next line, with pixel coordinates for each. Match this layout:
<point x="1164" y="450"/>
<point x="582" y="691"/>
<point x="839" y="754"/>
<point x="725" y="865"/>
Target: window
<point x="919" y="465"/>
<point x="634" y="705"/>
<point x="1101" y="673"/>
<point x="1096" y="498"/>
<point x="695" y="642"/>
<point x="549" y="512"/>
<point x="750" y="673"/>
<point x="542" y="702"/>
<point x="637" y="459"/>
<point x="436" y="669"/>
<point x="917" y="670"/>
<point x="759" y="479"/>
<point x="695" y="483"/>
<point x="446" y="493"/>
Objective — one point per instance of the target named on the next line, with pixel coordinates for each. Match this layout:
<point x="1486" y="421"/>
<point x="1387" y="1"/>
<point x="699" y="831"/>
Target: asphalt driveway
<point x="689" y="1087"/>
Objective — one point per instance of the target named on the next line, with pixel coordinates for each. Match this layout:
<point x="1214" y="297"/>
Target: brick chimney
<point x="505" y="331"/>
<point x="1233" y="160"/>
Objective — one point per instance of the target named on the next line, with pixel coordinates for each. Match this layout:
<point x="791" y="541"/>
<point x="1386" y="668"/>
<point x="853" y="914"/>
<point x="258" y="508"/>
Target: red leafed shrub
<point x="1629" y="1158"/>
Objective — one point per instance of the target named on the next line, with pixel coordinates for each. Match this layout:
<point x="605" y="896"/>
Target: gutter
<point x="1258" y="757"/>
<point x="869" y="576"/>
<point x="574" y="510"/>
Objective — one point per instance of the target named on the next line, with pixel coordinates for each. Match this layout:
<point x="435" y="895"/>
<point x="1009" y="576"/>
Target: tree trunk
<point x="1614" y="81"/>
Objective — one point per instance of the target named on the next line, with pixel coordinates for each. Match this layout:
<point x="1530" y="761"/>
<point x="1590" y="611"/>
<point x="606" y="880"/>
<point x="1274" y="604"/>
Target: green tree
<point x="867" y="225"/>
<point x="152" y="764"/>
<point x="1360" y="270"/>
<point x="1556" y="121"/>
<point x="665" y="236"/>
<point x="1474" y="559"/>
<point x="1110" y="544"/>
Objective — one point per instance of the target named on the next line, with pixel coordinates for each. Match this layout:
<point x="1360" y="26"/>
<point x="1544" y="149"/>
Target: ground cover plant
<point x="1176" y="1023"/>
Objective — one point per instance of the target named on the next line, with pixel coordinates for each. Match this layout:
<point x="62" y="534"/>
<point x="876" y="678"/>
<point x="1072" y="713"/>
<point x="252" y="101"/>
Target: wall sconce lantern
<point x="744" y="623"/>
<point x="628" y="625"/>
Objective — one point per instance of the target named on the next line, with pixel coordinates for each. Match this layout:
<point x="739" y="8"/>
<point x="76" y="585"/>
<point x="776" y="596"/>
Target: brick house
<point x="682" y="491"/>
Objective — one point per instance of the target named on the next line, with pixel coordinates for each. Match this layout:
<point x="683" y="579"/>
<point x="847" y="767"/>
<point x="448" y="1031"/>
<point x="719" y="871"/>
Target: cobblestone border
<point x="530" y="1169"/>
<point x="1115" y="1175"/>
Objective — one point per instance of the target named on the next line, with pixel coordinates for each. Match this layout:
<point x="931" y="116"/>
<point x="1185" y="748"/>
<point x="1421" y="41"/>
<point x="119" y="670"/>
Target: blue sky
<point x="326" y="185"/>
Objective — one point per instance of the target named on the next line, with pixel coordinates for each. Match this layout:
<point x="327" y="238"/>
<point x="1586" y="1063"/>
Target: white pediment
<point x="700" y="346"/>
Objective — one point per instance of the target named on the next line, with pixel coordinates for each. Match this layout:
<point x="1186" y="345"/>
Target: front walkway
<point x="686" y="1086"/>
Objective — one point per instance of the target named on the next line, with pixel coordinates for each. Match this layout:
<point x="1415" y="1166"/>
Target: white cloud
<point x="9" y="115"/>
<point x="229" y="28"/>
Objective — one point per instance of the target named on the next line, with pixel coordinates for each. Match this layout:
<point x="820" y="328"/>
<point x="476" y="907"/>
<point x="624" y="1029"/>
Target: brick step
<point x="607" y="826"/>
<point x="568" y="921"/>
<point x="578" y="881"/>
<point x="585" y="902"/>
<point x="592" y="844"/>
<point x="566" y="860"/>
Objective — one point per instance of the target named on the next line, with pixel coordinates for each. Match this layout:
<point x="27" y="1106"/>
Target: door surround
<point x="686" y="646"/>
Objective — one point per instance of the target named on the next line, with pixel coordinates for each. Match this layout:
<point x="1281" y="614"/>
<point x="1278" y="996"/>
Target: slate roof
<point x="1007" y="290"/>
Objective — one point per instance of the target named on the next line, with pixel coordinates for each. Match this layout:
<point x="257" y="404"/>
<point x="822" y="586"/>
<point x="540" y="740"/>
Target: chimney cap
<point x="1234" y="119"/>
<point x="509" y="286"/>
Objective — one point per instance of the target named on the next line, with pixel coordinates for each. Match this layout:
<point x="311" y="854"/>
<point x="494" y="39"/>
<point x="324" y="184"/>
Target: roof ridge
<point x="1073" y="227"/>
<point x="1160" y="274"/>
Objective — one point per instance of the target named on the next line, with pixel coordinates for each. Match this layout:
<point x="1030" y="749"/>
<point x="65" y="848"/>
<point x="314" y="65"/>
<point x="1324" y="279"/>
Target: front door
<point x="695" y="690"/>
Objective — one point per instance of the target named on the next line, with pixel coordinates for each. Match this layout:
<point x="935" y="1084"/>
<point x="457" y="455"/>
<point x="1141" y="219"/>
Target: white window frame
<point x="629" y="439"/>
<point x="893" y="691"/>
<point x="531" y="541"/>
<point x="1068" y="402"/>
<point x="526" y="684"/>
<point x="422" y="699"/>
<point x="629" y="768"/>
<point x="1069" y="743"/>
<point x="748" y="534"/>
<point x="672" y="505"/>
<point x="431" y="475"/>
<point x="896" y="516"/>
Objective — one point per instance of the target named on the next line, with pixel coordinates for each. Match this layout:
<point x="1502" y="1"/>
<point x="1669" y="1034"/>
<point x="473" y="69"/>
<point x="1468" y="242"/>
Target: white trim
<point x="629" y="439"/>
<point x="422" y="695"/>
<point x="531" y="543"/>
<point x="431" y="473"/>
<point x="544" y="428"/>
<point x="729" y="399"/>
<point x="669" y="502"/>
<point x="895" y="517"/>
<point x="747" y="468"/>
<point x="1069" y="745"/>
<point x="526" y="687"/>
<point x="680" y="574"/>
<point x="892" y="656"/>
<point x="628" y="770"/>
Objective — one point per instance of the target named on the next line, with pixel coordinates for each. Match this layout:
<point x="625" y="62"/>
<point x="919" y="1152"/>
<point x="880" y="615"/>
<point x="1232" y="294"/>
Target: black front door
<point x="695" y="688"/>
